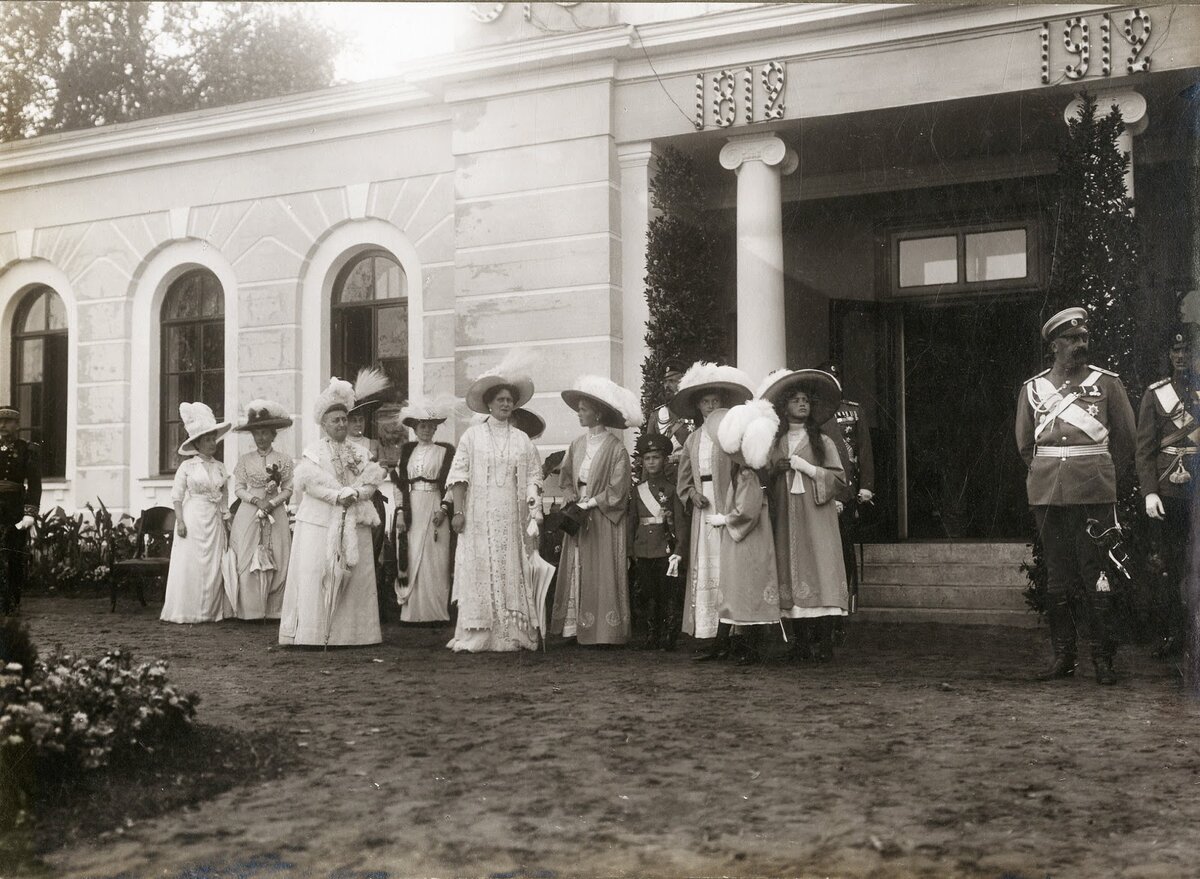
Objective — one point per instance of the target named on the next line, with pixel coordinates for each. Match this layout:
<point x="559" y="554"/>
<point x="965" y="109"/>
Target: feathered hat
<point x="340" y="394"/>
<point x="367" y="386"/>
<point x="749" y="429"/>
<point x="198" y="421"/>
<point x="421" y="408"/>
<point x="618" y="407"/>
<point x="514" y="371"/>
<point x="824" y="391"/>
<point x="703" y="378"/>
<point x="264" y="413"/>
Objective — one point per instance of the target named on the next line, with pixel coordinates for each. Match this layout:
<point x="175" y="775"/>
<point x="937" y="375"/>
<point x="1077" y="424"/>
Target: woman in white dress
<point x="422" y="523"/>
<point x="330" y="599"/>
<point x="261" y="537"/>
<point x="495" y="484"/>
<point x="591" y="602"/>
<point x="195" y="585"/>
<point x="706" y="392"/>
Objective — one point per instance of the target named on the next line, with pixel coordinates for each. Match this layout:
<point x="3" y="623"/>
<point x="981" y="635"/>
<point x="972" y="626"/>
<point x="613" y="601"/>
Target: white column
<point x="637" y="168"/>
<point x="760" y="161"/>
<point x="1133" y="111"/>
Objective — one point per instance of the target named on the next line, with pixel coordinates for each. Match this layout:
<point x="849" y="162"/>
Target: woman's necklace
<point x="500" y="455"/>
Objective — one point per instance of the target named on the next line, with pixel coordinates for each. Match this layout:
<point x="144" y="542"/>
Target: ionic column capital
<point x="766" y="147"/>
<point x="1131" y="104"/>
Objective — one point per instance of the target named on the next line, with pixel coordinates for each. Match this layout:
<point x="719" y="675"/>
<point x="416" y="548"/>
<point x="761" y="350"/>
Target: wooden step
<point x="971" y="597"/>
<point x="940" y="553"/>
<point x="953" y="616"/>
<point x="944" y="574"/>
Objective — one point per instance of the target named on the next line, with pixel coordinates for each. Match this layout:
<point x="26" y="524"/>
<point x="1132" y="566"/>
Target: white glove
<point x="839" y="505"/>
<point x="865" y="495"/>
<point x="1154" y="507"/>
<point x="803" y="466"/>
<point x="532" y="528"/>
<point x="589" y="503"/>
<point x="716" y="520"/>
<point x="673" y="565"/>
<point x="25" y="524"/>
<point x="345" y="493"/>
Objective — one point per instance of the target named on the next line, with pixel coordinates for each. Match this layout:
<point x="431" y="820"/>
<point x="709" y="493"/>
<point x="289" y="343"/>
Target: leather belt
<point x="1185" y="451"/>
<point x="424" y="485"/>
<point x="1071" y="451"/>
<point x="651" y="520"/>
<point x="5" y="485"/>
<point x="707" y="478"/>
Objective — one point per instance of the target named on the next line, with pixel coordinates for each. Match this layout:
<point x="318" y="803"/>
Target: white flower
<point x="79" y="721"/>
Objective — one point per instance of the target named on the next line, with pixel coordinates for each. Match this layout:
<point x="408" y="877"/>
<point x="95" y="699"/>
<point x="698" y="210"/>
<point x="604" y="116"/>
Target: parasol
<point x="333" y="578"/>
<point x="229" y="576"/>
<point x="263" y="562"/>
<point x="541" y="573"/>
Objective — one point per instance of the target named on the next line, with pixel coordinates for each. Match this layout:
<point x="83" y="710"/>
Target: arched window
<point x="370" y="319"/>
<point x="193" y="356"/>
<point x="39" y="371"/>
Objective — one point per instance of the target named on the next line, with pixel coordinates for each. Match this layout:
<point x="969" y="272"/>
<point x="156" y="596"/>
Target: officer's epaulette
<point x="1158" y="384"/>
<point x="1103" y="371"/>
<point x="1039" y="375"/>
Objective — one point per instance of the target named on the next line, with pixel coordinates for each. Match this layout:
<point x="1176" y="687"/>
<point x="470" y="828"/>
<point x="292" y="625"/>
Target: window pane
<point x="183" y="300"/>
<point x="391" y="332"/>
<point x="213" y="356"/>
<point x="925" y="261"/>
<point x="31" y="360"/>
<point x="397" y="370"/>
<point x="25" y="404"/>
<point x="212" y="391"/>
<point x="181" y="348"/>
<point x="57" y="318"/>
<point x="186" y="388"/>
<point x="359" y="284"/>
<point x="993" y="256"/>
<point x="35" y="318"/>
<point x="212" y="300"/>
<point x="389" y="279"/>
<point x="357" y="348"/>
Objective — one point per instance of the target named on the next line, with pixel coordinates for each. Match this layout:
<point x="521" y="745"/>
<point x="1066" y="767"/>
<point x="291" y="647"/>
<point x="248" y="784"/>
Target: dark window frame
<point x="1032" y="280"/>
<point x="51" y="437"/>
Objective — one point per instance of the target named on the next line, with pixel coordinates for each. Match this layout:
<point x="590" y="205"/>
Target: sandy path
<point x="922" y="751"/>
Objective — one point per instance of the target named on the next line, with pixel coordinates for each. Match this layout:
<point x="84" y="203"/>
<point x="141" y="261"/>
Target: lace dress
<point x="259" y="594"/>
<point x="195" y="586"/>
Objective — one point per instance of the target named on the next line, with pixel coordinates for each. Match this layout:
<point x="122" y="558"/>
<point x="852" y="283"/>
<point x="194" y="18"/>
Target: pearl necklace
<point x="500" y="455"/>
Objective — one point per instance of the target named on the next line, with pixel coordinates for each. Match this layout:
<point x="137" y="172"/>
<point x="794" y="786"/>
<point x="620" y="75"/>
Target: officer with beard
<point x="1168" y="436"/>
<point x="1075" y="432"/>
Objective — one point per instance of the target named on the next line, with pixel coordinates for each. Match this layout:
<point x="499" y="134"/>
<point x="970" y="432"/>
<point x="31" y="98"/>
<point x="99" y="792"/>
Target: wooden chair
<point x="152" y="556"/>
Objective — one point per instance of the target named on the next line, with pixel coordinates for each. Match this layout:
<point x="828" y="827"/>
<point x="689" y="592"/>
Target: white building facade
<point x="881" y="171"/>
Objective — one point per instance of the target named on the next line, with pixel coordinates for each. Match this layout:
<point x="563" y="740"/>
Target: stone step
<point x="947" y="574"/>
<point x="873" y="595"/>
<point x="939" y="553"/>
<point x="953" y="616"/>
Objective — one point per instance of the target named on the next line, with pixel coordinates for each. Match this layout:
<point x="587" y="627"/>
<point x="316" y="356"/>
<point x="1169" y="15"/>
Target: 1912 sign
<point x="1077" y="40"/>
<point x="727" y="96"/>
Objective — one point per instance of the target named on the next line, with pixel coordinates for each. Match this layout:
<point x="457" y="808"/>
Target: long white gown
<point x="323" y="471"/>
<point x="426" y="597"/>
<point x="195" y="586"/>
<point x="493" y="588"/>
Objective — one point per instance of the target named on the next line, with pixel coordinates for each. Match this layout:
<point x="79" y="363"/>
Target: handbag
<point x="573" y="517"/>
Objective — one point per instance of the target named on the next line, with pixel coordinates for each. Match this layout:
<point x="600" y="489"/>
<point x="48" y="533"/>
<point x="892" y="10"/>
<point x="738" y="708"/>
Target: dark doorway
<point x="964" y="364"/>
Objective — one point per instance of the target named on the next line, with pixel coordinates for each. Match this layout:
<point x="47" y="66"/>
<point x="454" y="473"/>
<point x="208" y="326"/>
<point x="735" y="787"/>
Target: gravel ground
<point x="921" y="750"/>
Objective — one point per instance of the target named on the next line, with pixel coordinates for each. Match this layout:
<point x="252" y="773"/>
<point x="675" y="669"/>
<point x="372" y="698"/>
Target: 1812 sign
<point x="1077" y="40"/>
<point x="746" y="94"/>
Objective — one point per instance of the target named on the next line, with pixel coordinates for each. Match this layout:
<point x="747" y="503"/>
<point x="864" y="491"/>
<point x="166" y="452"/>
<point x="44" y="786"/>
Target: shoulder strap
<point x="650" y="501"/>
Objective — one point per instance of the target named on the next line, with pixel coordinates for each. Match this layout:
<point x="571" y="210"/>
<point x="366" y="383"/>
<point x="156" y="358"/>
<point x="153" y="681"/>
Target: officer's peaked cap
<point x="1067" y="319"/>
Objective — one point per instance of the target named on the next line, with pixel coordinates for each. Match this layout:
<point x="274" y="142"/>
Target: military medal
<point x="1093" y="410"/>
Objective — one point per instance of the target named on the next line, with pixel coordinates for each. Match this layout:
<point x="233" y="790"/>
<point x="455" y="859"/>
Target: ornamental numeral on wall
<point x="720" y="95"/>
<point x="1077" y="41"/>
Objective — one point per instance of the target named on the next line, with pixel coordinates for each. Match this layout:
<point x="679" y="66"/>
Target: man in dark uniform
<point x="1167" y="439"/>
<point x="1075" y="432"/>
<point x="654" y="508"/>
<point x="848" y="429"/>
<point x="664" y="422"/>
<point x="20" y="499"/>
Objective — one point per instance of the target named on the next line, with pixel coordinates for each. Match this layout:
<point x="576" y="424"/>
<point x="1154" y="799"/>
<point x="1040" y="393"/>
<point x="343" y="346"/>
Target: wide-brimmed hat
<point x="705" y="378"/>
<point x="198" y="421"/>
<point x="618" y="407"/>
<point x="513" y="371"/>
<point x="529" y="422"/>
<point x="264" y="413"/>
<point x="825" y="391"/>
<point x="419" y="409"/>
<point x="340" y="394"/>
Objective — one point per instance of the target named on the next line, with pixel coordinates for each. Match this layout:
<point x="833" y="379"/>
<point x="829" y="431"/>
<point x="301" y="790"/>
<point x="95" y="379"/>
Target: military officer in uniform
<point x="1167" y="439"/>
<point x="20" y="499"/>
<point x="848" y="429"/>
<point x="665" y="422"/>
<point x="1075" y="432"/>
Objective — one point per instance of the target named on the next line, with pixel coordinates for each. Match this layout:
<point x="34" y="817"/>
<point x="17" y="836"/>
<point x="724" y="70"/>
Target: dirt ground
<point x="920" y="751"/>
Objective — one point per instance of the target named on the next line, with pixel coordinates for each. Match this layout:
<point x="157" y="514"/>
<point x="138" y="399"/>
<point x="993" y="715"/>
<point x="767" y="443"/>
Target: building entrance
<point x="963" y="366"/>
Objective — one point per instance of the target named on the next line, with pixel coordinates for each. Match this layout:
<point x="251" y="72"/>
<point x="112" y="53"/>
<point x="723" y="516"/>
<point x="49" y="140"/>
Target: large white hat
<point x="264" y="413"/>
<point x="618" y="407"/>
<point x="750" y="429"/>
<point x="421" y="408"/>
<point x="703" y="378"/>
<point x="198" y="420"/>
<point x="340" y="394"/>
<point x="513" y="370"/>
<point x="824" y="390"/>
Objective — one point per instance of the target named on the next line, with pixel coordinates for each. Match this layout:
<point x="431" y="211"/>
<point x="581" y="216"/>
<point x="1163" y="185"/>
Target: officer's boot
<point x="751" y="652"/>
<point x="1062" y="639"/>
<point x="1105" y="674"/>
<point x="824" y="651"/>
<point x="721" y="647"/>
<point x="801" y="644"/>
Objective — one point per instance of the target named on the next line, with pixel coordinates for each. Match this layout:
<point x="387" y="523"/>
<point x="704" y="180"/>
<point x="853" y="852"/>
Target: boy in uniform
<point x="654" y="509"/>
